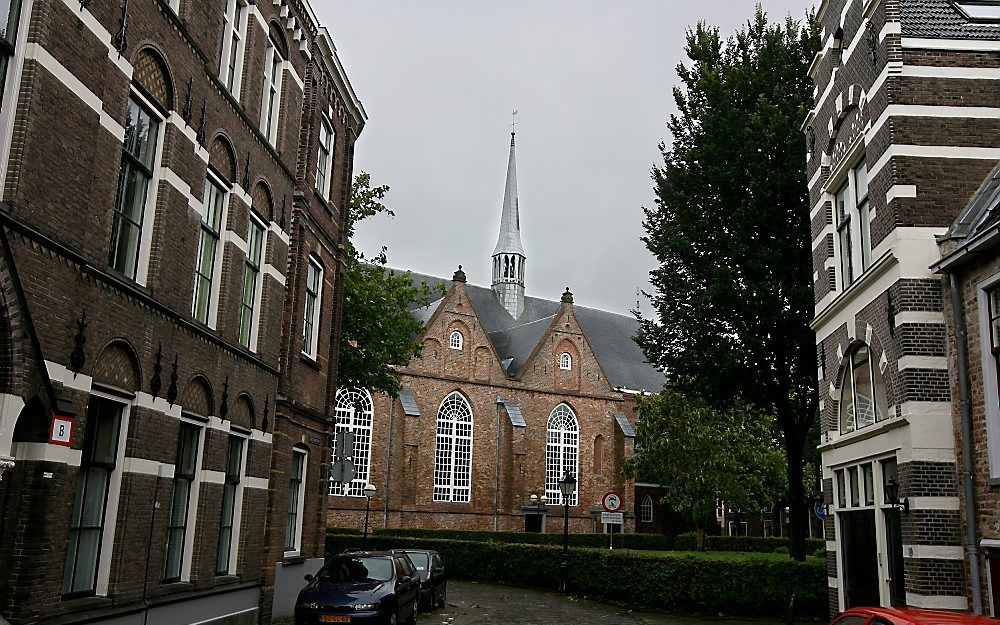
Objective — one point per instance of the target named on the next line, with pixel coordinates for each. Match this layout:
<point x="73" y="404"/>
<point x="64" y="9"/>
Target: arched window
<point x="561" y="453"/>
<point x="455" y="340"/>
<point x="862" y="391"/>
<point x="453" y="450"/>
<point x="646" y="509"/>
<point x="566" y="361"/>
<point x="354" y="413"/>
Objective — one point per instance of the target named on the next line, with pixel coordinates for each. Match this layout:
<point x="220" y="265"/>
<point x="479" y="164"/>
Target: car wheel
<point x="413" y="616"/>
<point x="443" y="597"/>
<point x="393" y="619"/>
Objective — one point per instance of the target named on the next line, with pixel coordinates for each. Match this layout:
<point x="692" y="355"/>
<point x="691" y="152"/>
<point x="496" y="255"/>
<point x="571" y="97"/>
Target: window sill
<point x="309" y="360"/>
<point x="86" y="602"/>
<point x="292" y="557"/>
<point x="864" y="433"/>
<point x="222" y="580"/>
<point x="324" y="202"/>
<point x="876" y="269"/>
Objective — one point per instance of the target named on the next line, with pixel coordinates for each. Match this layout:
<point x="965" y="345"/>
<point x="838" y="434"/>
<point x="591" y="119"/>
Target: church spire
<point x="508" y="255"/>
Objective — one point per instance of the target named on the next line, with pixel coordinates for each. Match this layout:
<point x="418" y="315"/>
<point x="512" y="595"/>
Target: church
<point x="510" y="394"/>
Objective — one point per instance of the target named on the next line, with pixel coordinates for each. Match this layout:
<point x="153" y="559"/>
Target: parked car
<point x="908" y="616"/>
<point x="433" y="579"/>
<point x="368" y="587"/>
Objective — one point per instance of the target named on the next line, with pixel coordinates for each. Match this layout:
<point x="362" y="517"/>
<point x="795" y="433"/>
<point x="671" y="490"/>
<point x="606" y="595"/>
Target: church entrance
<point x="534" y="523"/>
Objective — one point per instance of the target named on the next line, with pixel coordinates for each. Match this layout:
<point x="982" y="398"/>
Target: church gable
<point x="455" y="343"/>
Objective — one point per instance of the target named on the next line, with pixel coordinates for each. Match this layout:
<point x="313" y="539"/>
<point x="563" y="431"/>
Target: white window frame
<point x="300" y="504"/>
<point x="270" y="108"/>
<point x="562" y="452"/>
<point x="149" y="208"/>
<point x="324" y="157"/>
<point x="310" y="348"/>
<point x="646" y="509"/>
<point x="456" y="340"/>
<point x="347" y="419"/>
<point x="453" y="442"/>
<point x="234" y="540"/>
<point x="258" y="287"/>
<point x="852" y="224"/>
<point x="879" y="404"/>
<point x="187" y="550"/>
<point x="990" y="371"/>
<point x="234" y="29"/>
<point x="566" y="361"/>
<point x="212" y="314"/>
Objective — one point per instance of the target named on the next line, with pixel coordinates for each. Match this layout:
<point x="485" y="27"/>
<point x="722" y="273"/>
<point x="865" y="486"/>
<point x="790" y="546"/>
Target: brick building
<point x="174" y="177"/>
<point x="903" y="132"/>
<point x="510" y="393"/>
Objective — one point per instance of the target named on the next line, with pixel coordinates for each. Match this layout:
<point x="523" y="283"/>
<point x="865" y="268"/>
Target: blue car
<point x="368" y="587"/>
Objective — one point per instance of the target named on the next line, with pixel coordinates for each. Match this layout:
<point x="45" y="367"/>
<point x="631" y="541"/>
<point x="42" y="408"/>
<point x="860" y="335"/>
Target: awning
<point x="409" y="402"/>
<point x="625" y="425"/>
<point x="514" y="412"/>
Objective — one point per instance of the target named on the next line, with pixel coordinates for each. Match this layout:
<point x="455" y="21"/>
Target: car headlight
<point x="365" y="606"/>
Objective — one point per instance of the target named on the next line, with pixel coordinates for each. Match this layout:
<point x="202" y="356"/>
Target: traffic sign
<point x="820" y="510"/>
<point x="62" y="430"/>
<point x="343" y="472"/>
<point x="612" y="501"/>
<point x="613" y="518"/>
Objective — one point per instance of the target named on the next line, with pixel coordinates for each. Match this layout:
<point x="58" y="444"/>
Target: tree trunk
<point x="700" y="532"/>
<point x="797" y="513"/>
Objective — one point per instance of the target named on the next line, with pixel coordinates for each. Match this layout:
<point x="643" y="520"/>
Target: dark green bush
<point x="744" y="544"/>
<point x="738" y="585"/>
<point x="654" y="542"/>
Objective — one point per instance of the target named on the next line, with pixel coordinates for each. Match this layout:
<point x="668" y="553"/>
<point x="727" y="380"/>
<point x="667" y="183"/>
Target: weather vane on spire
<point x="513" y="121"/>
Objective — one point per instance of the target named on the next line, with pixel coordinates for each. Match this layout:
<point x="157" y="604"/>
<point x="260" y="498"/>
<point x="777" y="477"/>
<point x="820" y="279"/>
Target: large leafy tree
<point x="701" y="455"/>
<point x="378" y="333"/>
<point x="730" y="230"/>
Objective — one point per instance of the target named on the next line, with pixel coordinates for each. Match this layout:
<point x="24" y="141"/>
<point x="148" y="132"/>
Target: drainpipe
<point x="388" y="466"/>
<point x="496" y="491"/>
<point x="967" y="478"/>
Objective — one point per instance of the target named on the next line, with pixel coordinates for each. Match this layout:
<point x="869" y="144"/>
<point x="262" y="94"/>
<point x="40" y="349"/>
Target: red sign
<point x="62" y="430"/>
<point x="612" y="501"/>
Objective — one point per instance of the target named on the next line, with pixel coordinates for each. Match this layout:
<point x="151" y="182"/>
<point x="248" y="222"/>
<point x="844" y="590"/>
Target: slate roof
<point x="941" y="19"/>
<point x="610" y="335"/>
<point x="982" y="211"/>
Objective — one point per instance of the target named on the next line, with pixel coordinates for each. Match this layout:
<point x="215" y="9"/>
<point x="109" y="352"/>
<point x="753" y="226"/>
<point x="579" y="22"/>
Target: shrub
<point x="653" y="542"/>
<point x="739" y="585"/>
<point x="744" y="544"/>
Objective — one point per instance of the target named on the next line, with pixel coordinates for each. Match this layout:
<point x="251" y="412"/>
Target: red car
<point x="909" y="616"/>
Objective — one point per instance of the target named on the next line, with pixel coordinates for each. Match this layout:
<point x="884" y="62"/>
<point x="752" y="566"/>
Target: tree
<point x="378" y="333"/>
<point x="730" y="231"/>
<point x="701" y="455"/>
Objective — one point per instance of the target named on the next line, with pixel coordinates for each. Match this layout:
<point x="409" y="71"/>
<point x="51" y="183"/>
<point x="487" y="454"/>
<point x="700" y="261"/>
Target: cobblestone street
<point x="475" y="604"/>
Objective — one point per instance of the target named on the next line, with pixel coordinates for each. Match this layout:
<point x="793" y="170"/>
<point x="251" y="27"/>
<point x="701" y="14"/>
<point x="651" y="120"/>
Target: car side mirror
<point x="309" y="578"/>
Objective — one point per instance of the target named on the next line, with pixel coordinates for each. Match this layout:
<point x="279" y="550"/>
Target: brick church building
<point x="902" y="134"/>
<point x="174" y="179"/>
<point x="511" y="393"/>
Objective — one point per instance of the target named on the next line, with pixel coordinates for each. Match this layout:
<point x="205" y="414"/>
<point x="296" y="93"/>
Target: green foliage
<point x="701" y="455"/>
<point x="378" y="333"/>
<point x="652" y="542"/>
<point x="745" y="544"/>
<point x="731" y="234"/>
<point x="734" y="584"/>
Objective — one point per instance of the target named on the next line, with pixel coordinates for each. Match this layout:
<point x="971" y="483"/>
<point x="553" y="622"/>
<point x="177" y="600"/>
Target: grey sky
<point x="592" y="81"/>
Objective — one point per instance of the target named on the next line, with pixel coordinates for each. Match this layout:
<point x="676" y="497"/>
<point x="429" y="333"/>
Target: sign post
<point x="612" y="503"/>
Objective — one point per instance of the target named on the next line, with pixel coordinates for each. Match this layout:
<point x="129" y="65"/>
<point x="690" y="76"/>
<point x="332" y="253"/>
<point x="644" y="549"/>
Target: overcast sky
<point x="592" y="81"/>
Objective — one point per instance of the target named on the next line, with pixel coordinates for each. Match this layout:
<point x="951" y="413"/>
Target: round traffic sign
<point x="612" y="501"/>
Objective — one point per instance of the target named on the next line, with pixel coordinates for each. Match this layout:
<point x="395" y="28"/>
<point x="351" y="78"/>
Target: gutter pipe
<point x="966" y="410"/>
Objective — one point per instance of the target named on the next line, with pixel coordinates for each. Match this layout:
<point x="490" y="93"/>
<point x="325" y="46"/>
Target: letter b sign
<point x="62" y="431"/>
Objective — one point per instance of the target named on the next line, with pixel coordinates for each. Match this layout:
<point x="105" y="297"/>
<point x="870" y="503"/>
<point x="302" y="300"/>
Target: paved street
<point x="475" y="604"/>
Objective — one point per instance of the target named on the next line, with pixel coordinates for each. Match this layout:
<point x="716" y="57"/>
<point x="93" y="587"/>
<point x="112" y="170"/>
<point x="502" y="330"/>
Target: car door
<point x="438" y="573"/>
<point x="407" y="586"/>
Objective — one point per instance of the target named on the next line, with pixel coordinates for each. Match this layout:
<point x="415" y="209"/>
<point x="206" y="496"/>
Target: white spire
<point x="509" y="241"/>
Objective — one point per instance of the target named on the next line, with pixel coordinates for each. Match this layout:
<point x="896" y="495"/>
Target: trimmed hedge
<point x="651" y="542"/>
<point x="738" y="585"/>
<point x="745" y="544"/>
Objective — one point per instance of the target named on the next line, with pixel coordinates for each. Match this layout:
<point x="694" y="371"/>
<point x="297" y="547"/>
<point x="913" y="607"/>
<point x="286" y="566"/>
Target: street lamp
<point x="567" y="486"/>
<point x="369" y="492"/>
<point x="892" y="495"/>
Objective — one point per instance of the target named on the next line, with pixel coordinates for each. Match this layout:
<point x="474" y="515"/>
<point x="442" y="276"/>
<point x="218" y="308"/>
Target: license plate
<point x="334" y="618"/>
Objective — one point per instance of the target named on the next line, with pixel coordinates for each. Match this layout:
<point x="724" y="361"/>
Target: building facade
<point x="902" y="133"/>
<point x="174" y="178"/>
<point x="511" y="393"/>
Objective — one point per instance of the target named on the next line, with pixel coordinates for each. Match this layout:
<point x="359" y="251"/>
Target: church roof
<point x="610" y="335"/>
<point x="509" y="241"/>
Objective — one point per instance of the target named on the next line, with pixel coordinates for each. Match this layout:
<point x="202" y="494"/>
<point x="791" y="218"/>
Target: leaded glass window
<point x="453" y="450"/>
<point x="862" y="391"/>
<point x="354" y="413"/>
<point x="561" y="453"/>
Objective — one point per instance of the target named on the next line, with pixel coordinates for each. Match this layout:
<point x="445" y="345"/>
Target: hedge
<point x="652" y="542"/>
<point x="745" y="544"/>
<point x="733" y="584"/>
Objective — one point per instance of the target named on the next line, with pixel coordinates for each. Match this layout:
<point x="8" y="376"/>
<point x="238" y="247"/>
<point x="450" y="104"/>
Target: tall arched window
<point x="862" y="391"/>
<point x="453" y="450"/>
<point x="561" y="453"/>
<point x="646" y="509"/>
<point x="354" y="413"/>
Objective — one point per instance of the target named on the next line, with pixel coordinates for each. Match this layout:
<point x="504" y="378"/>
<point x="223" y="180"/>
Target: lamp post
<point x="892" y="495"/>
<point x="567" y="486"/>
<point x="369" y="492"/>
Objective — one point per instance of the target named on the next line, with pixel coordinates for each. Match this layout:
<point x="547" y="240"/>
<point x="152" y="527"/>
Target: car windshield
<point x="362" y="569"/>
<point x="419" y="559"/>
